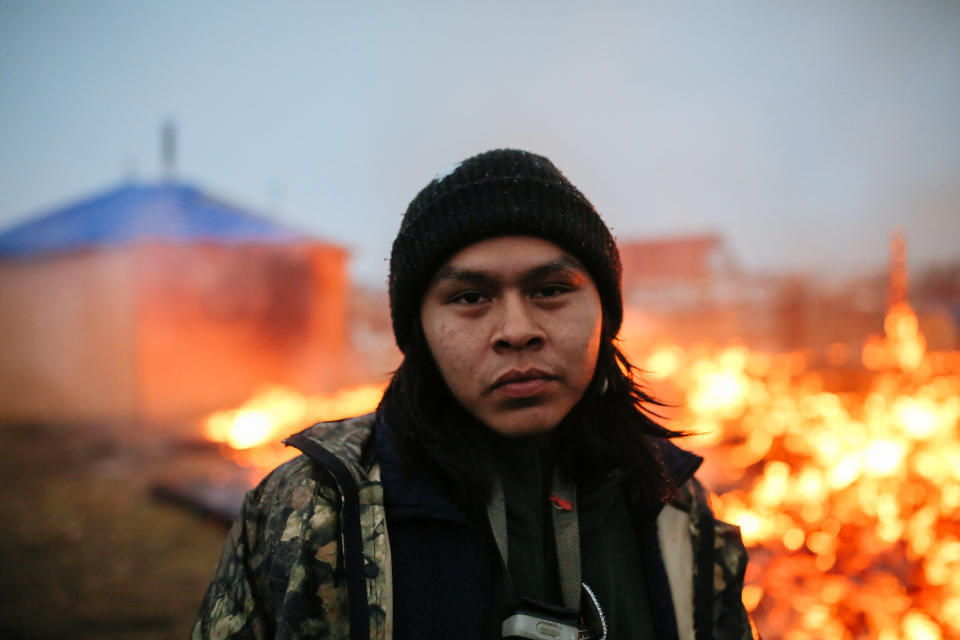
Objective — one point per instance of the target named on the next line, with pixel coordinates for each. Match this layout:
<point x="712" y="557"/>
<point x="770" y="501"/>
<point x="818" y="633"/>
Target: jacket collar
<point x="345" y="439"/>
<point x="679" y="463"/>
<point x="411" y="489"/>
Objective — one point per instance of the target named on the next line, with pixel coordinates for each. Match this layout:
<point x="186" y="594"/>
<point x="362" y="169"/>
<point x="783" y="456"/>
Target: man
<point x="511" y="482"/>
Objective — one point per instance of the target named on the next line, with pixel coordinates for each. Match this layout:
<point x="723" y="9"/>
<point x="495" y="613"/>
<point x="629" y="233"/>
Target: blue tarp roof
<point x="132" y="213"/>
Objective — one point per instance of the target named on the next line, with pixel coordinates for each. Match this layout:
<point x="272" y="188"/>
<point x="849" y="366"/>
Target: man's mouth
<point x="522" y="383"/>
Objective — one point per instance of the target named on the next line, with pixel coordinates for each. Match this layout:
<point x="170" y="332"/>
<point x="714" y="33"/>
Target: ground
<point x="85" y="550"/>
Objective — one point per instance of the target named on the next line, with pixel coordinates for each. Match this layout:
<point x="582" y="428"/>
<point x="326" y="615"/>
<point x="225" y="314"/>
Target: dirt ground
<point x="85" y="550"/>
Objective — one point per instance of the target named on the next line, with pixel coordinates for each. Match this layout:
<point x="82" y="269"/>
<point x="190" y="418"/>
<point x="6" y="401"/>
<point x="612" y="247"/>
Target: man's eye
<point x="469" y="297"/>
<point x="551" y="291"/>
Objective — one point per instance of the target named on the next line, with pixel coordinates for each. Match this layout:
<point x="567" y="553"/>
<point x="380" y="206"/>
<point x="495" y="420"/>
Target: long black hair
<point x="612" y="427"/>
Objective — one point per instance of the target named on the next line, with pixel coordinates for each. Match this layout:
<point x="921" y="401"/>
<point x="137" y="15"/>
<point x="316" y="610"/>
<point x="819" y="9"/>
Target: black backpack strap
<point x="351" y="533"/>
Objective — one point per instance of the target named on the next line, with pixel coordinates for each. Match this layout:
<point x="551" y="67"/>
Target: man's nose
<point x="517" y="327"/>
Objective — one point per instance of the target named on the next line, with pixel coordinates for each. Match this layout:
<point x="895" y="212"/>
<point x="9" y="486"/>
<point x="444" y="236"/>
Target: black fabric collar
<point x="411" y="491"/>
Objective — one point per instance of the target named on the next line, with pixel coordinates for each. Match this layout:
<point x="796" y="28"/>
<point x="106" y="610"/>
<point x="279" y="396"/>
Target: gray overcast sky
<point x="803" y="131"/>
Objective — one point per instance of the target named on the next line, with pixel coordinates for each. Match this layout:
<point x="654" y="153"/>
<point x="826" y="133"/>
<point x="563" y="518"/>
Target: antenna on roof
<point x="168" y="149"/>
<point x="899" y="287"/>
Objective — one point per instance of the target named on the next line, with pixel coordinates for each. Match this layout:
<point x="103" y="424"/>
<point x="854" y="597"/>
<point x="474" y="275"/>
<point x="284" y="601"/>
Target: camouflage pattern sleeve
<point x="730" y="618"/>
<point x="276" y="576"/>
<point x="228" y="609"/>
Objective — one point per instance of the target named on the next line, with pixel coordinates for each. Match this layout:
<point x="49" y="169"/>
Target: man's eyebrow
<point x="563" y="264"/>
<point x="464" y="275"/>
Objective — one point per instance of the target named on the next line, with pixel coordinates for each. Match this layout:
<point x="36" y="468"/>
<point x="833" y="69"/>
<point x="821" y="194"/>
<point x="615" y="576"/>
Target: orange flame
<point x="849" y="502"/>
<point x="251" y="434"/>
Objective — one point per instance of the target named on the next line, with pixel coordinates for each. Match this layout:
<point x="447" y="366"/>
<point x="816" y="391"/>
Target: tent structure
<point x="159" y="303"/>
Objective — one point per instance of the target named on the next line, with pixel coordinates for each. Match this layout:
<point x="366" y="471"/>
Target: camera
<point x="540" y="621"/>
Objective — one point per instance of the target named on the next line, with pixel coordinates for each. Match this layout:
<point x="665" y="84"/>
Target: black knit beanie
<point x="497" y="193"/>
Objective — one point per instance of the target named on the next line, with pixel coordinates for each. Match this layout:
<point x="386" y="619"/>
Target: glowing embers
<point x="849" y="500"/>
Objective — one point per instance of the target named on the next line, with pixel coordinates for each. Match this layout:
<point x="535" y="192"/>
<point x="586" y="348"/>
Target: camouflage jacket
<point x="309" y="555"/>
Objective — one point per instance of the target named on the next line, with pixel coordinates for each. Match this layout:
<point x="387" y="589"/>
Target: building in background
<point x="683" y="289"/>
<point x="673" y="273"/>
<point x="159" y="303"/>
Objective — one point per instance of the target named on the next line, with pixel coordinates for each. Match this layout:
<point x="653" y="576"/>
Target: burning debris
<point x="849" y="498"/>
<point x="848" y="501"/>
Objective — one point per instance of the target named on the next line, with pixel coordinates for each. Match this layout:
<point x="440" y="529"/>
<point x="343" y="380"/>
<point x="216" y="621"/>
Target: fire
<point x="902" y="347"/>
<point x="251" y="434"/>
<point x="848" y="501"/>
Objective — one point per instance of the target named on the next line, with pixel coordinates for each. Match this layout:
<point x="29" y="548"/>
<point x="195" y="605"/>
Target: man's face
<point x="514" y="325"/>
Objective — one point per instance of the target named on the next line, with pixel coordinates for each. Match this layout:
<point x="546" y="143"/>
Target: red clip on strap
<point x="560" y="503"/>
